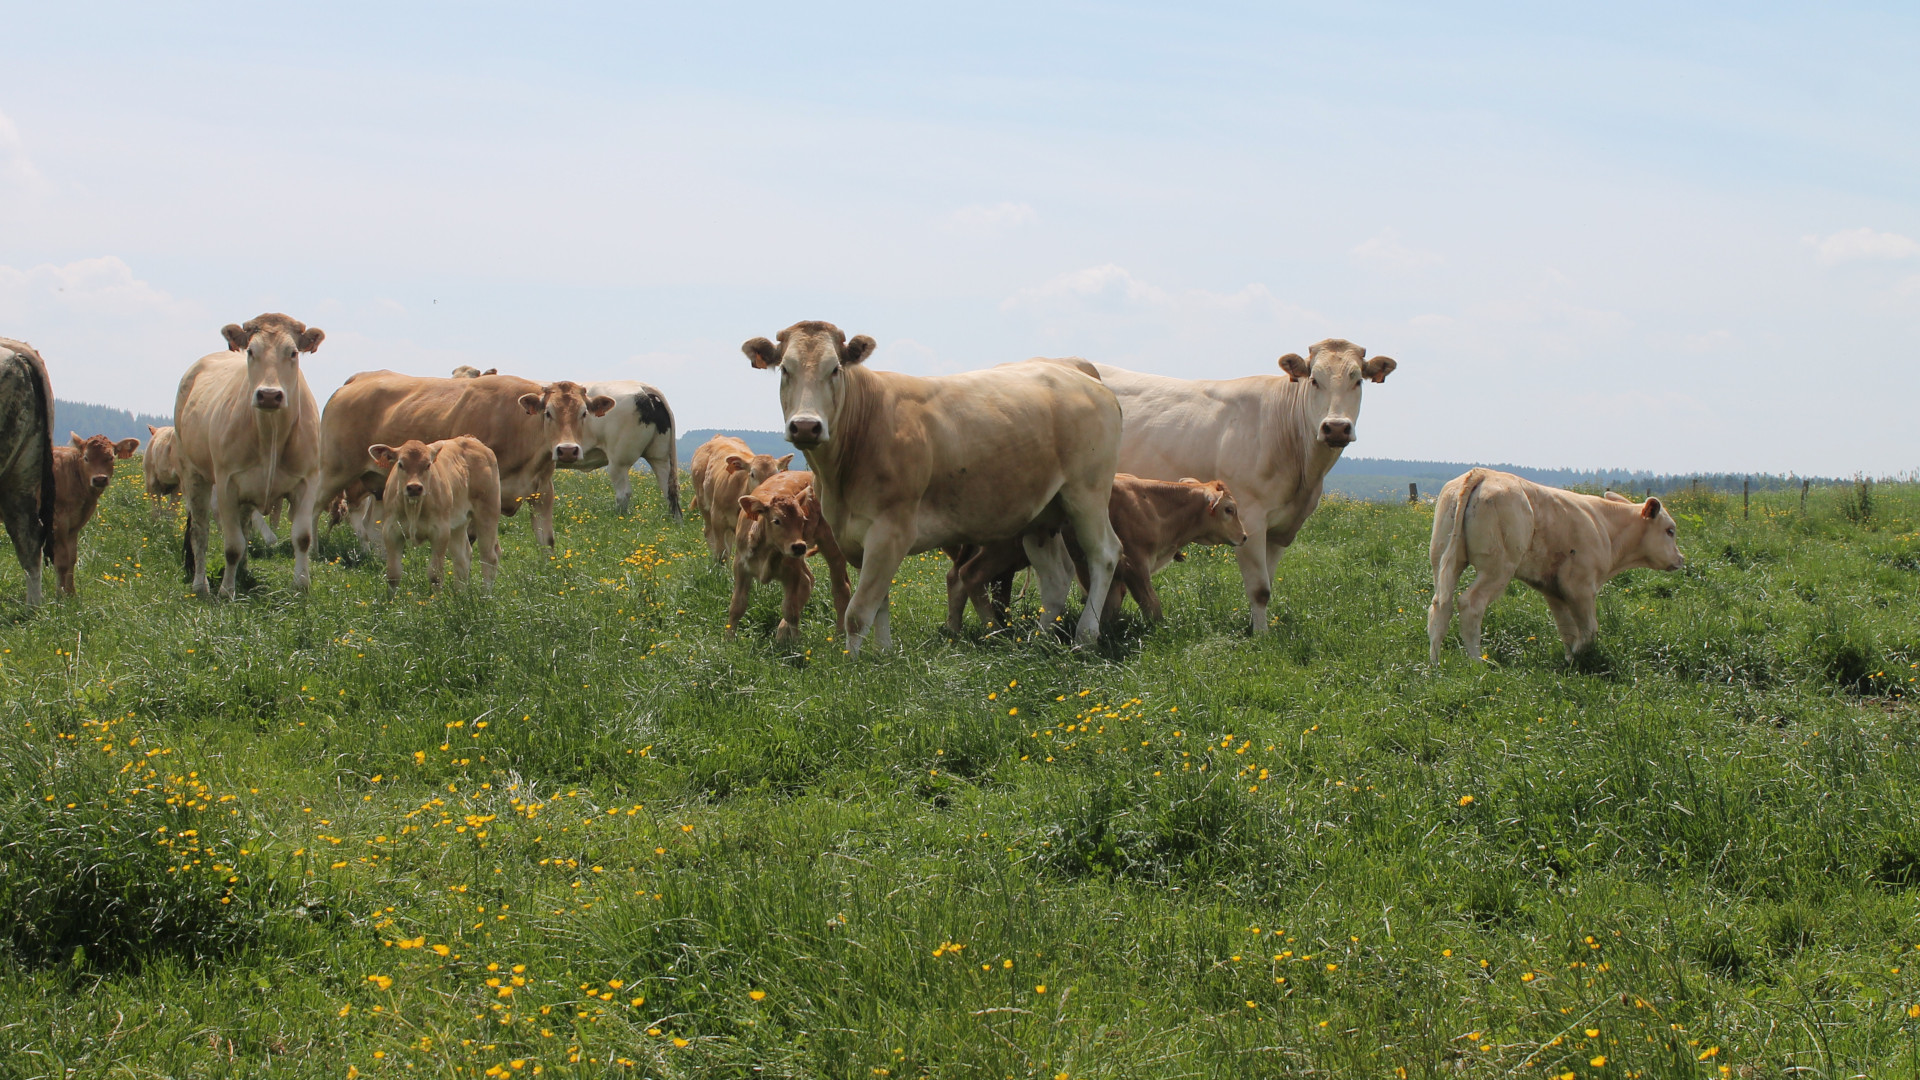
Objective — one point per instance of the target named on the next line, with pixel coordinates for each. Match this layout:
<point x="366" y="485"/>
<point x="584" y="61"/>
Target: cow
<point x="1562" y="543"/>
<point x="640" y="425"/>
<point x="1270" y="439"/>
<point x="441" y="494"/>
<point x="81" y="471"/>
<point x="247" y="429"/>
<point x="160" y="469"/>
<point x="725" y="468"/>
<point x="903" y="464"/>
<point x="780" y="525"/>
<point x="26" y="457"/>
<point x="1154" y="520"/>
<point x="468" y="371"/>
<point x="530" y="427"/>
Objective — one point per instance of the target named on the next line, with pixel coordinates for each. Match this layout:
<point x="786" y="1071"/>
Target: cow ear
<point x="1215" y="493"/>
<point x="1379" y="368"/>
<point x="600" y="405"/>
<point x="858" y="349"/>
<point x="752" y="507"/>
<point x="433" y="453"/>
<point x="531" y="402"/>
<point x="78" y="442"/>
<point x="236" y="337"/>
<point x="1295" y="367"/>
<point x="1650" y="509"/>
<point x="310" y="339"/>
<point x="384" y="454"/>
<point x="784" y="462"/>
<point x="1614" y="496"/>
<point x="490" y="371"/>
<point x="151" y="430"/>
<point x="125" y="448"/>
<point x="1190" y="480"/>
<point x="763" y="353"/>
<point x="735" y="463"/>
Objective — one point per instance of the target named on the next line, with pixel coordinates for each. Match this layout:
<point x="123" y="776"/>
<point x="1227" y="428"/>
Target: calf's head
<point x="407" y="466"/>
<point x="759" y="468"/>
<point x="1659" y="545"/>
<point x="782" y="524"/>
<point x="1223" y="524"/>
<point x="561" y="407"/>
<point x="273" y="344"/>
<point x="813" y="358"/>
<point x="97" y="456"/>
<point x="1334" y="370"/>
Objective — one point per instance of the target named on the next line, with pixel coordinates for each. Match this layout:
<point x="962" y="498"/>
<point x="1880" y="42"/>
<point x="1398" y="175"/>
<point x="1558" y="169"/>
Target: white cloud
<point x="103" y="286"/>
<point x="1386" y="252"/>
<point x="1853" y="245"/>
<point x="989" y="218"/>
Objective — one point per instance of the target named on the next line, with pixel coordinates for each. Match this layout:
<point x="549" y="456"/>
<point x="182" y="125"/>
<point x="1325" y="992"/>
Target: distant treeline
<point x="1432" y="475"/>
<point x="115" y="424"/>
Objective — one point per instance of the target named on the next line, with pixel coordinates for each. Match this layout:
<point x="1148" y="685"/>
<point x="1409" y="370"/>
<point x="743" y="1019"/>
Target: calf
<point x="443" y="494"/>
<point x="1154" y="520"/>
<point x="724" y="469"/>
<point x="1562" y="543"/>
<point x="80" y="474"/>
<point x="780" y="524"/>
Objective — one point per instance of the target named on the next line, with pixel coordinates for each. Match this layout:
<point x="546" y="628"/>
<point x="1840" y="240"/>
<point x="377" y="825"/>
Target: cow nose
<point x="1336" y="432"/>
<point x="99" y="481"/>
<point x="268" y="397"/>
<point x="804" y="429"/>
<point x="797" y="550"/>
<point x="566" y="451"/>
<point x="415" y="489"/>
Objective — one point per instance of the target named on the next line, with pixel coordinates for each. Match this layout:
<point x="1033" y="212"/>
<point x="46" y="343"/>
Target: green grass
<point x="283" y="835"/>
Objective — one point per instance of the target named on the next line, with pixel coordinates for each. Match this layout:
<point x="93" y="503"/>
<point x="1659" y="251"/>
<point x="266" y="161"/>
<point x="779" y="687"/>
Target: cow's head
<point x="408" y="465"/>
<point x="813" y="358"/>
<point x="1223" y="522"/>
<point x="273" y="344"/>
<point x="782" y="525"/>
<point x="1334" y="370"/>
<point x="1659" y="540"/>
<point x="758" y="468"/>
<point x="561" y="407"/>
<point x="98" y="454"/>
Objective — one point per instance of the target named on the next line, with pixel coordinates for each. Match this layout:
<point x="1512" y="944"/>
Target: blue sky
<point x="1645" y="237"/>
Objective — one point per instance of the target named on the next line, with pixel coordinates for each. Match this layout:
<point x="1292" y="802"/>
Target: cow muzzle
<point x="798" y="549"/>
<point x="415" y="490"/>
<point x="269" y="398"/>
<point x="1336" y="433"/>
<point x="99" y="483"/>
<point x="805" y="431"/>
<point x="566" y="451"/>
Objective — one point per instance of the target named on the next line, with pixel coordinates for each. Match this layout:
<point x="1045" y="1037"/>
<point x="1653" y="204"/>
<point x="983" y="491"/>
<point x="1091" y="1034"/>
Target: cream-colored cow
<point x="904" y="464"/>
<point x="1564" y="544"/>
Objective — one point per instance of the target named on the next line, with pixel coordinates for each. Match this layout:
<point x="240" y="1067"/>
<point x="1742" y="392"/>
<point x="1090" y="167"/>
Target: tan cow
<point x="160" y="468"/>
<point x="780" y="525"/>
<point x="904" y="464"/>
<point x="1271" y="439"/>
<point x="1154" y="520"/>
<point x="530" y="428"/>
<point x="724" y="469"/>
<point x="1562" y="543"/>
<point x="248" y="429"/>
<point x="80" y="473"/>
<point x="444" y="495"/>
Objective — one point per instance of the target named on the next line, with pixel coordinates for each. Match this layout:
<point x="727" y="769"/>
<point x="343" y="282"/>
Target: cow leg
<point x="1255" y="573"/>
<point x="1137" y="581"/>
<point x="883" y="627"/>
<point x="486" y="530"/>
<point x="21" y="509"/>
<point x="363" y="523"/>
<point x="260" y="525"/>
<point x="1446" y="580"/>
<point x="437" y="560"/>
<point x="304" y="512"/>
<point x="460" y="548"/>
<point x="233" y="542"/>
<point x="199" y="499"/>
<point x="887" y="543"/>
<point x="662" y="464"/>
<point x="543" y="513"/>
<point x="1055" y="569"/>
<point x="1487" y="585"/>
<point x="957" y="555"/>
<point x="1578" y="622"/>
<point x="796" y="589"/>
<point x="742" y="596"/>
<point x="621" y="475"/>
<point x="63" y="548"/>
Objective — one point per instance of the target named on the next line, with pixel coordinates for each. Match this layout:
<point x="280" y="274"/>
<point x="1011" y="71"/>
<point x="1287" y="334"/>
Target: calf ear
<point x="310" y="339"/>
<point x="491" y="371"/>
<point x="858" y="349"/>
<point x="752" y="507"/>
<point x="433" y="453"/>
<point x="735" y="463"/>
<point x="784" y="462"/>
<point x="1190" y="480"/>
<point x="1650" y="509"/>
<point x="384" y="454"/>
<point x="1614" y="496"/>
<point x="600" y="404"/>
<point x="236" y="337"/>
<point x="763" y="353"/>
<point x="1379" y="368"/>
<point x="532" y="403"/>
<point x="1295" y="367"/>
<point x="151" y="430"/>
<point x="78" y="442"/>
<point x="125" y="448"/>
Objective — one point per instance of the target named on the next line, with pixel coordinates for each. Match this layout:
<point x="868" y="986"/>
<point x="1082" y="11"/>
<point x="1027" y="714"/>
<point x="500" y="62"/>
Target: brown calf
<point x="1154" y="520"/>
<point x="724" y="469"/>
<point x="780" y="525"/>
<point x="443" y="494"/>
<point x="80" y="474"/>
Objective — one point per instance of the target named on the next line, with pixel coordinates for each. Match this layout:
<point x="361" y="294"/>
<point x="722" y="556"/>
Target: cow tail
<point x="673" y="452"/>
<point x="1456" y="554"/>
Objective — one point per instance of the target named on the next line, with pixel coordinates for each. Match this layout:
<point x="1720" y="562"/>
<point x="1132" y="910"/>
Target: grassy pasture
<point x="572" y="830"/>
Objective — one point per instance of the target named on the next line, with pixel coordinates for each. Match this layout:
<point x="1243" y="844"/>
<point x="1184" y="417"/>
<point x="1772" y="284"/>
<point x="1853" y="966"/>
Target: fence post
<point x="1746" y="493"/>
<point x="1413" y="492"/>
<point x="1804" y="485"/>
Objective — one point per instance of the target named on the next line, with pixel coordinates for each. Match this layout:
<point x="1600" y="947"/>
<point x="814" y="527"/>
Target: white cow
<point x="1270" y="439"/>
<point x="640" y="425"/>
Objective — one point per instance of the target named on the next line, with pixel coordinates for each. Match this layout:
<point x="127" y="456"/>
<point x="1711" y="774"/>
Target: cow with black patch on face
<point x="1271" y="439"/>
<point x="445" y="495"/>
<point x="903" y="464"/>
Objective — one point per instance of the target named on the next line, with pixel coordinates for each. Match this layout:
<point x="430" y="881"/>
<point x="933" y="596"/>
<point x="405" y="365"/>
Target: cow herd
<point x="1076" y="469"/>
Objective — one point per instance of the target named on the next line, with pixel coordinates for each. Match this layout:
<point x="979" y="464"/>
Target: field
<point x="572" y="830"/>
